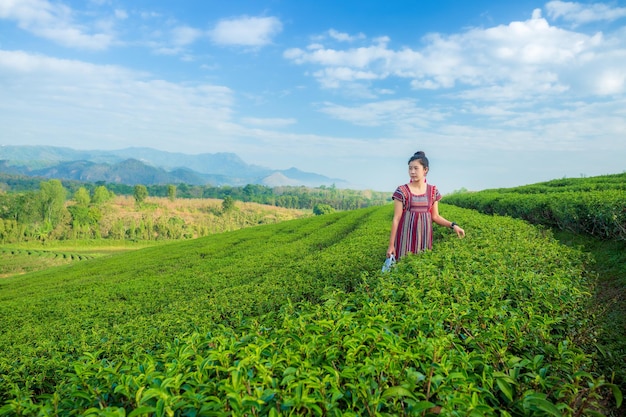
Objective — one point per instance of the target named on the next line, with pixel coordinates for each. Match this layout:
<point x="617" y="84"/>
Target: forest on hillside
<point x="296" y="197"/>
<point x="32" y="209"/>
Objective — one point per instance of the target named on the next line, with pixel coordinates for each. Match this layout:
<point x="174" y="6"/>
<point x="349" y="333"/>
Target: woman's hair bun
<point x="420" y="156"/>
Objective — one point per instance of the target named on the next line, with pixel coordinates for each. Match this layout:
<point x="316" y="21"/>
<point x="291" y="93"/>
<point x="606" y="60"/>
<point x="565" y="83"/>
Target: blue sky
<point x="498" y="94"/>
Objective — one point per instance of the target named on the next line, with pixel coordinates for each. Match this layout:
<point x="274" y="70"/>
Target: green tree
<point x="228" y="204"/>
<point x="320" y="209"/>
<point x="80" y="215"/>
<point x="171" y="192"/>
<point x="52" y="197"/>
<point x="22" y="207"/>
<point x="140" y="193"/>
<point x="183" y="190"/>
<point x="82" y="197"/>
<point x="101" y="195"/>
<point x="461" y="190"/>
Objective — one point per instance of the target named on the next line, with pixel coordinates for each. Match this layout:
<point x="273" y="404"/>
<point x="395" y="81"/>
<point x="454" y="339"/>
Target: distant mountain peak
<point x="147" y="166"/>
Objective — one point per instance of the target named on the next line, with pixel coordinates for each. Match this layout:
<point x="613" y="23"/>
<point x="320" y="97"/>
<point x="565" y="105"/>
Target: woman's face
<point x="416" y="171"/>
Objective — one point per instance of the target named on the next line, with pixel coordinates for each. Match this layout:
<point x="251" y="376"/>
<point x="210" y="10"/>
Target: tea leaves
<point x="296" y="319"/>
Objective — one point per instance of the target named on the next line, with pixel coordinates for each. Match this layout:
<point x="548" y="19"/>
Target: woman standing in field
<point x="415" y="210"/>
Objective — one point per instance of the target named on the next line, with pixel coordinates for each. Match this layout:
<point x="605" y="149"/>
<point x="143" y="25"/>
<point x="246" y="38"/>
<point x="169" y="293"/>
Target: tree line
<point x="38" y="213"/>
<point x="56" y="209"/>
<point x="294" y="197"/>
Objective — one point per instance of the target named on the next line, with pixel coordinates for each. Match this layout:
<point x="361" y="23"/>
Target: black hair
<point x="421" y="157"/>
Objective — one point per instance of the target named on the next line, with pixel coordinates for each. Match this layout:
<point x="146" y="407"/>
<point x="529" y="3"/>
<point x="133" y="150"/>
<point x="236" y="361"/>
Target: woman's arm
<point x="397" y="214"/>
<point x="443" y="222"/>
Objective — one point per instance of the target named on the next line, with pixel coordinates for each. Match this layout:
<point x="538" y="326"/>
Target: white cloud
<point x="530" y="87"/>
<point x="355" y="57"/>
<point x="580" y="14"/>
<point x="332" y="77"/>
<point x="185" y="35"/>
<point x="174" y="39"/>
<point x="268" y="122"/>
<point x="147" y="15"/>
<point x="344" y="37"/>
<point x="54" y="22"/>
<point x="75" y="101"/>
<point x="506" y="62"/>
<point x="121" y="14"/>
<point x="396" y="114"/>
<point x="246" y="31"/>
<point x="611" y="81"/>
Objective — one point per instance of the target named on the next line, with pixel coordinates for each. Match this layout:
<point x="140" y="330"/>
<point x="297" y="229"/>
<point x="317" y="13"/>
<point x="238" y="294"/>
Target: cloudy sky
<point x="498" y="94"/>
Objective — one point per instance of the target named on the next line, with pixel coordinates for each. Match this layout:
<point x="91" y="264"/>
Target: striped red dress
<point x="415" y="230"/>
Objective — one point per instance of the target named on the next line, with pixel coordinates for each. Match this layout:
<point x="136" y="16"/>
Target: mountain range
<point x="149" y="166"/>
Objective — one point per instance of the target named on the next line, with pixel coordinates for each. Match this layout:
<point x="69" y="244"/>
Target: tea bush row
<point x="44" y="253"/>
<point x="17" y="261"/>
<point x="583" y="184"/>
<point x="597" y="213"/>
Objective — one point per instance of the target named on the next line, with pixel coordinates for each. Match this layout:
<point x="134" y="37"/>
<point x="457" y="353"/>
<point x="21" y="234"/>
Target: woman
<point x="415" y="210"/>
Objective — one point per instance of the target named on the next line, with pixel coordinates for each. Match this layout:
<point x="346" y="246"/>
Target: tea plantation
<point x="296" y="318"/>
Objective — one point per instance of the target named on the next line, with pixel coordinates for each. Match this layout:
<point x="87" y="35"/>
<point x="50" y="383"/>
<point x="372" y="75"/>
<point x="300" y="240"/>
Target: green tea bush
<point x="17" y="261"/>
<point x="595" y="206"/>
<point x="141" y="299"/>
<point x="306" y="324"/>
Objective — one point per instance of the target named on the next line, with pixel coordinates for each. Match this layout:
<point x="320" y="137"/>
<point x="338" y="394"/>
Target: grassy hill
<point x="157" y="220"/>
<point x="296" y="318"/>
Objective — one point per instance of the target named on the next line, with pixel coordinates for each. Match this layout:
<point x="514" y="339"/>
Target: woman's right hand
<point x="391" y="251"/>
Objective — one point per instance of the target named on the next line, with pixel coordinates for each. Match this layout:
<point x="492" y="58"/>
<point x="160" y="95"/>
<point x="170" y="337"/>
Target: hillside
<point x="132" y="227"/>
<point x="296" y="318"/>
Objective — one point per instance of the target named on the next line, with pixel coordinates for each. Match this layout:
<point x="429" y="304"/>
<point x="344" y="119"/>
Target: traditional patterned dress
<point x="415" y="230"/>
